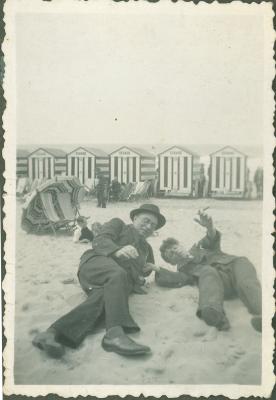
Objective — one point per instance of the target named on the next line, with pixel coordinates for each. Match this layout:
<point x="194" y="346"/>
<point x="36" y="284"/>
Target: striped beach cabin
<point x="177" y="166"/>
<point x="46" y="163"/>
<point x="83" y="163"/>
<point x="22" y="163"/>
<point x="228" y="172"/>
<point x="132" y="164"/>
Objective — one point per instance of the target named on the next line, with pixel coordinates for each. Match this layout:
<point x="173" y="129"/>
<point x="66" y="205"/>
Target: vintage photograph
<point x="138" y="156"/>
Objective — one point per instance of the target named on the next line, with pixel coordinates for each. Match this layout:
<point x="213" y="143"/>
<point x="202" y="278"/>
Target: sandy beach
<point x="184" y="349"/>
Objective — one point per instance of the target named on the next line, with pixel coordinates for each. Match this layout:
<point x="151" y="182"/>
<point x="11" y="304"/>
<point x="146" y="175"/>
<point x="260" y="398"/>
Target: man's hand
<point x="206" y="221"/>
<point x="127" y="252"/>
<point x="149" y="267"/>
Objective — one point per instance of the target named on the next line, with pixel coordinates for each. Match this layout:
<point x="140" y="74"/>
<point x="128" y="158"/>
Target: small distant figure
<point x="101" y="190"/>
<point x="258" y="180"/>
<point x="115" y="189"/>
<point x="82" y="233"/>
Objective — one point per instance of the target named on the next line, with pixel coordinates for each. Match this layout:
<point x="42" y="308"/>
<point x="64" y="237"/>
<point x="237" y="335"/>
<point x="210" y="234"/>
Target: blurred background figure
<point x="199" y="184"/>
<point x="115" y="188"/>
<point x="258" y="181"/>
<point x="101" y="190"/>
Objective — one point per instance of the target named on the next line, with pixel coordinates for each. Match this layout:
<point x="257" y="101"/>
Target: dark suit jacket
<point x="206" y="252"/>
<point x="114" y="235"/>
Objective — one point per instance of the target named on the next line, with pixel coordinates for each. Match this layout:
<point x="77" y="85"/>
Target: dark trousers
<point x="108" y="288"/>
<point x="220" y="282"/>
<point x="101" y="197"/>
<point x="238" y="279"/>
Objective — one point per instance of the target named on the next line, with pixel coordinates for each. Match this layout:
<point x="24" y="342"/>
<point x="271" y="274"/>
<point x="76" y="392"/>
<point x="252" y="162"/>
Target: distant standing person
<point x="116" y="189"/>
<point x="258" y="180"/>
<point x="101" y="190"/>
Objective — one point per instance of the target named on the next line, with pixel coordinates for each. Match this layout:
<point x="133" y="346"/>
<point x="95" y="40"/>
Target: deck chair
<point x="135" y="195"/>
<point x="55" y="220"/>
<point x="22" y="186"/>
<point x="69" y="212"/>
<point x="34" y="184"/>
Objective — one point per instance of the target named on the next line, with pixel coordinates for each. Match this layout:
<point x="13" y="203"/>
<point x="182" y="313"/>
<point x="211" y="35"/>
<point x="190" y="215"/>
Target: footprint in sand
<point x="207" y="335"/>
<point x="232" y="355"/>
<point x="160" y="362"/>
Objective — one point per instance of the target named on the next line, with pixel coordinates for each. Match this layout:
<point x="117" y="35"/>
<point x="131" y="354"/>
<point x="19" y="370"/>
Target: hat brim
<point x="161" y="219"/>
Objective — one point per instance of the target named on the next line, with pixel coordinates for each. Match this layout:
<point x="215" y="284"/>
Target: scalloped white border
<point x="164" y="6"/>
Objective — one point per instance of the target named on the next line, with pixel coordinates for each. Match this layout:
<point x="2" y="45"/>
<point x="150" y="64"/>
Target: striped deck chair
<point x="68" y="210"/>
<point x="126" y="191"/>
<point x="135" y="195"/>
<point x="34" y="184"/>
<point x="22" y="186"/>
<point x="49" y="210"/>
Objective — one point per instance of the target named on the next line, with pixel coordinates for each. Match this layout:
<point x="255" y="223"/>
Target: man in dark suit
<point x="218" y="275"/>
<point x="108" y="273"/>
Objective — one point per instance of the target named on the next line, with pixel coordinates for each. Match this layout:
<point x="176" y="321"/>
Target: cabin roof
<point x="181" y="148"/>
<point x="22" y="153"/>
<point x="52" y="151"/>
<point x="228" y="147"/>
<point x="137" y="150"/>
<point x="96" y="152"/>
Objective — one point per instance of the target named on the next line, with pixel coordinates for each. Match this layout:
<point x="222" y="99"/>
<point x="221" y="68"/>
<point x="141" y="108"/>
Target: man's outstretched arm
<point x="212" y="239"/>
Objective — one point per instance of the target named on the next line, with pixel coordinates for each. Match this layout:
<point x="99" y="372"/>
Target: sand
<point x="184" y="349"/>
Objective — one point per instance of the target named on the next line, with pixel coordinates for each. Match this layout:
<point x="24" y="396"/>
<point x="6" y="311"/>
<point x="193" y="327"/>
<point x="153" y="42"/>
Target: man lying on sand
<point x="218" y="275"/>
<point x="108" y="273"/>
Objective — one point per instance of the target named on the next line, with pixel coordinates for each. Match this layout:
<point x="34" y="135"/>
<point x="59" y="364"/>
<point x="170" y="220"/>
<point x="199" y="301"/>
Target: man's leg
<point x="247" y="285"/>
<point x="98" y="198"/>
<point x="211" y="296"/>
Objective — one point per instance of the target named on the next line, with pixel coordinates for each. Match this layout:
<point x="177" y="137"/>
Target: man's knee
<point x="118" y="273"/>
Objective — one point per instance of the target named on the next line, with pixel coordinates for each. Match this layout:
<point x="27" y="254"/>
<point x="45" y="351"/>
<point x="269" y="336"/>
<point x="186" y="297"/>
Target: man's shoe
<point x="215" y="318"/>
<point x="123" y="345"/>
<point x="256" y="322"/>
<point x="47" y="341"/>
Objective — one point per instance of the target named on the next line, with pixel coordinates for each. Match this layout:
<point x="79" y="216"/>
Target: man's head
<point x="145" y="223"/>
<point x="146" y="219"/>
<point x="174" y="253"/>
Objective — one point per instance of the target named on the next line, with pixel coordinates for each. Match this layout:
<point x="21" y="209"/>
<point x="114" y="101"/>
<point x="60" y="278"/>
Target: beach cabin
<point x="132" y="164"/>
<point x="228" y="172"/>
<point x="177" y="167"/>
<point x="22" y="163"/>
<point x="46" y="163"/>
<point x="84" y="162"/>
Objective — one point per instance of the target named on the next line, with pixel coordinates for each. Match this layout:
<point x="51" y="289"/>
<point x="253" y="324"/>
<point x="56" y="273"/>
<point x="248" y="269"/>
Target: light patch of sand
<point x="184" y="349"/>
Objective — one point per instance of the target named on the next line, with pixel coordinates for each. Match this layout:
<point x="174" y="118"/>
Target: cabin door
<point x="175" y="173"/>
<point x="227" y="183"/>
<point x="81" y="169"/>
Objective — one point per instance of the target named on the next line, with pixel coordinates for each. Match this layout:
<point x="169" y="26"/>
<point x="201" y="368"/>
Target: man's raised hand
<point x="204" y="220"/>
<point x="127" y="252"/>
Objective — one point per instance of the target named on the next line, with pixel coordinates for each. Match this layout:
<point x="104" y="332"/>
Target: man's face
<point x="176" y="254"/>
<point x="145" y="223"/>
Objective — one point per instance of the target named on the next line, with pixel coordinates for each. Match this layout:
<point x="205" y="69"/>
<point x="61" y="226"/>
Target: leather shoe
<point x="123" y="345"/>
<point x="47" y="341"/>
<point x="215" y="318"/>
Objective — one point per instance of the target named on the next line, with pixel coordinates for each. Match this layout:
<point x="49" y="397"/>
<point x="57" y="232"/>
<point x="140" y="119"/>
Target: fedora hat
<point x="152" y="209"/>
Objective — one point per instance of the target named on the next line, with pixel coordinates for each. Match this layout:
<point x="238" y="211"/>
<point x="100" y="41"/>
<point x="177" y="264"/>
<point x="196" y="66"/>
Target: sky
<point x="141" y="78"/>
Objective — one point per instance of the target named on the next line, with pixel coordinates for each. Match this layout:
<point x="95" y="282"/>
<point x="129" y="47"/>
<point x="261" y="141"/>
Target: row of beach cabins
<point x="176" y="169"/>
